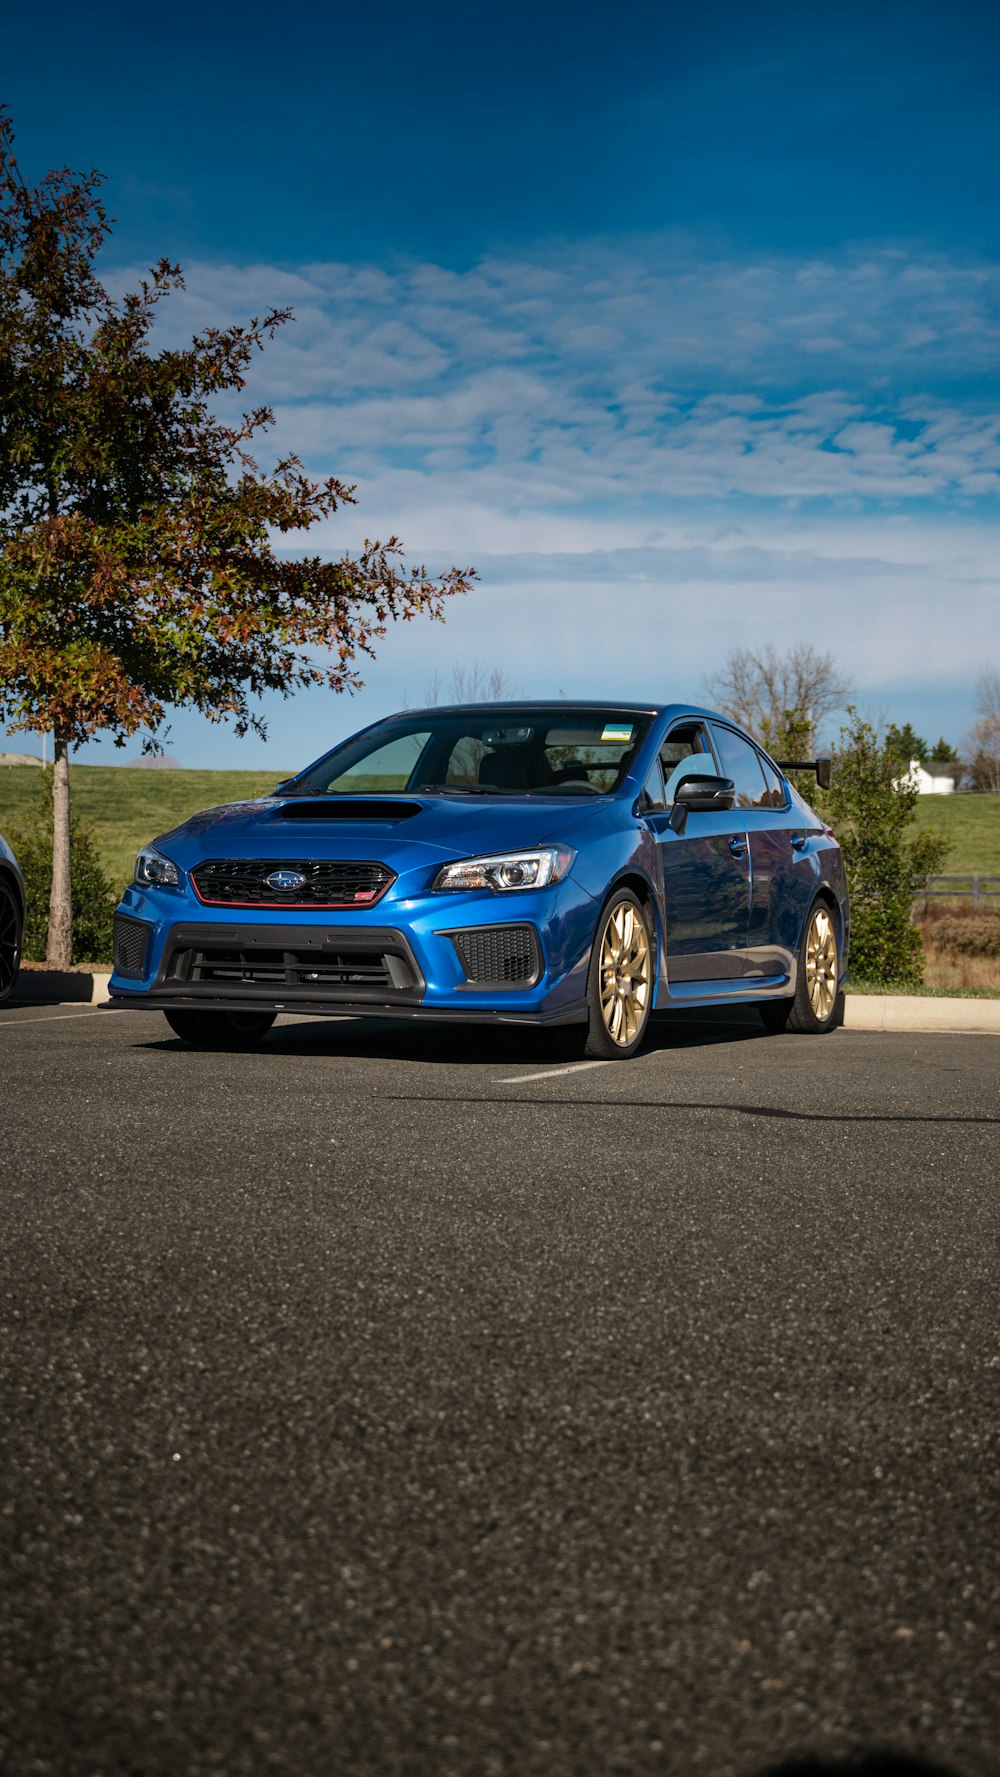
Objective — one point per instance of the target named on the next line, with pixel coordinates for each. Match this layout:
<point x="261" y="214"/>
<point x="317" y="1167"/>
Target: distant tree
<point x="471" y="684"/>
<point x="942" y="753"/>
<point x="982" y="744"/>
<point x="906" y="744"/>
<point x="137" y="560"/>
<point x="781" y="698"/>
<point x="870" y="807"/>
<point x="988" y="695"/>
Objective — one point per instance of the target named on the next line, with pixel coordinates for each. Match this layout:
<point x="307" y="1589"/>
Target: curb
<point x="875" y="1011"/>
<point x="61" y="987"/>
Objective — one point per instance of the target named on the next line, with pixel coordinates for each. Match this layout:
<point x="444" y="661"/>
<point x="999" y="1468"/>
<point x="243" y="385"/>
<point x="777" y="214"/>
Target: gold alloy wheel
<point x="821" y="964"/>
<point x="625" y="975"/>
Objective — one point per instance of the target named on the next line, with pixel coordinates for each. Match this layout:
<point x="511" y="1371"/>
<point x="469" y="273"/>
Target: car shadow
<point x="481" y="1045"/>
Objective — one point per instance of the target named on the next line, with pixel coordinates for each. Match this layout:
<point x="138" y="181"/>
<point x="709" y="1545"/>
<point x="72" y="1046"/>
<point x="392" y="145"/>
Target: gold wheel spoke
<point x="625" y="981"/>
<point x="821" y="964"/>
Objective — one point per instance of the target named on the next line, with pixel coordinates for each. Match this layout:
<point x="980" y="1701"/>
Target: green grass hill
<point x="130" y="805"/>
<point x="972" y="824"/>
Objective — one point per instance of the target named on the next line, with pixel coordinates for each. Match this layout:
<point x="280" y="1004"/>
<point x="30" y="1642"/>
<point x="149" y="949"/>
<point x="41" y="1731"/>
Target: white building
<point x="925" y="784"/>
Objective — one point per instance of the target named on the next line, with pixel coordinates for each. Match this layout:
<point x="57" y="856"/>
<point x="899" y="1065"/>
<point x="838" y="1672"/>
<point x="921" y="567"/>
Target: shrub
<point x="94" y="897"/>
<point x="966" y="934"/>
<point x="869" y="806"/>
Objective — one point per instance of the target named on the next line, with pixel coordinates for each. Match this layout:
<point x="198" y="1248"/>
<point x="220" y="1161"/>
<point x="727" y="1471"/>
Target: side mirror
<point x="705" y="795"/>
<point x="284" y="784"/>
<point x="822" y="768"/>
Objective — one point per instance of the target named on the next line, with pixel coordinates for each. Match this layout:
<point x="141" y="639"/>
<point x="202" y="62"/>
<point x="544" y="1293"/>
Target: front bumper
<point x="424" y="966"/>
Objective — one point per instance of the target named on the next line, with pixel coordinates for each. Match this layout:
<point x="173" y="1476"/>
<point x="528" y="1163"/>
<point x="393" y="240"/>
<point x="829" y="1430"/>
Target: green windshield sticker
<point x="617" y="731"/>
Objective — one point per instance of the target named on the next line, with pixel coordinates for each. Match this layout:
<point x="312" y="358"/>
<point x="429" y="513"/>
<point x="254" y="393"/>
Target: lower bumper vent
<point x="499" y="955"/>
<point x="130" y="943"/>
<point x="257" y="967"/>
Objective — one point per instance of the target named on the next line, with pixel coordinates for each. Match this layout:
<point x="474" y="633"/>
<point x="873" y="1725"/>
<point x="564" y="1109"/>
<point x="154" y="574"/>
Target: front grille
<point x="504" y="955"/>
<point x="242" y="882"/>
<point x="130" y="941"/>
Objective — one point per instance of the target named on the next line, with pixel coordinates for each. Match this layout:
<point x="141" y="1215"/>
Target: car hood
<point x="404" y="832"/>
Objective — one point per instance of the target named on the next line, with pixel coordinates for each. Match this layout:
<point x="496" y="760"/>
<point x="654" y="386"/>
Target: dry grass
<point x="961" y="946"/>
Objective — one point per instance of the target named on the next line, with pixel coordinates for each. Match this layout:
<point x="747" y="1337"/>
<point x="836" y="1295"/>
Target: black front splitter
<point x="172" y="1002"/>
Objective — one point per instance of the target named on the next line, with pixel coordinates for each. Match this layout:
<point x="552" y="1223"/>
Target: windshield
<point x="564" y="751"/>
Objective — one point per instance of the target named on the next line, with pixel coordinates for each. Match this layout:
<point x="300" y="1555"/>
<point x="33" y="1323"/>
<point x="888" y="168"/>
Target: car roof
<point x="568" y="703"/>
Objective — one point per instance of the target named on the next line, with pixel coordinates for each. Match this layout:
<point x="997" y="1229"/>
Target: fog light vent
<point x="499" y="955"/>
<point x="131" y="941"/>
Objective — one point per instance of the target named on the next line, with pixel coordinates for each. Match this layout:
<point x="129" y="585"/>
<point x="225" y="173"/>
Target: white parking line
<point x="85" y="1012"/>
<point x="554" y="1073"/>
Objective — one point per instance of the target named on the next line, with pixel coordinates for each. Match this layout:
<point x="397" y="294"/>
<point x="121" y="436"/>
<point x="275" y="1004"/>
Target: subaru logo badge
<point x="285" y="879"/>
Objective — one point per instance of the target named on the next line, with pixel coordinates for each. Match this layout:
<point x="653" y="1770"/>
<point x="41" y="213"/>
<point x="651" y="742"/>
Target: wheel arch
<point x="824" y="892"/>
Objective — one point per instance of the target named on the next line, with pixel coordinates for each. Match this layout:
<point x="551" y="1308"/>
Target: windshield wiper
<point x="467" y="790"/>
<point x="573" y="787"/>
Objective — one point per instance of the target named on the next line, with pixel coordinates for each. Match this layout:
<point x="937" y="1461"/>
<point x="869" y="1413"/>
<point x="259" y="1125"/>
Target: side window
<point x="742" y="763"/>
<point x="389" y="768"/>
<point x="685" y="753"/>
<point x="775" y="794"/>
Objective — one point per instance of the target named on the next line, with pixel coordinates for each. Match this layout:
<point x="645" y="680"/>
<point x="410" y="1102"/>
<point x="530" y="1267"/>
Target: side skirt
<point x="722" y="993"/>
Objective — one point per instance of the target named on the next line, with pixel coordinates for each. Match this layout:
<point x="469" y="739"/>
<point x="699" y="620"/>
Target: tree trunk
<point x="59" y="950"/>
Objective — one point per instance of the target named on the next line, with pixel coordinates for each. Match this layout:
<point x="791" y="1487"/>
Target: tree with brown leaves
<point x="137" y="563"/>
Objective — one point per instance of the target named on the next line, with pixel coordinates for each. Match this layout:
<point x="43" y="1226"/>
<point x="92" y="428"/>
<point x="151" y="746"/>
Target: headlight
<point x="153" y="870"/>
<point x="505" y="871"/>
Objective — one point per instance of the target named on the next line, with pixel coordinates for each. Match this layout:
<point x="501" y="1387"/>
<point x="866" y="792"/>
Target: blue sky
<point x="682" y="324"/>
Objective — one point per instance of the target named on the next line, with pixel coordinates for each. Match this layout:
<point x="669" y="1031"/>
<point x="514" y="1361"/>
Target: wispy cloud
<point x="607" y="373"/>
<point x="718" y="451"/>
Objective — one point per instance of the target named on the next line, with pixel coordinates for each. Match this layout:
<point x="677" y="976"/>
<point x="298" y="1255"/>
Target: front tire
<point x="818" y="1004"/>
<point x="221" y="1030"/>
<point x="619" y="984"/>
<point x="10" y="941"/>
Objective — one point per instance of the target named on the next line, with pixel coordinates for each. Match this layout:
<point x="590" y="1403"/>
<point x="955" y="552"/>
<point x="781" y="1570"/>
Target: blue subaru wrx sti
<point x="575" y="865"/>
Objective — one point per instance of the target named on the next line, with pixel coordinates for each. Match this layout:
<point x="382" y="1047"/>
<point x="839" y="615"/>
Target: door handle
<point x="737" y="846"/>
<point x="799" y="841"/>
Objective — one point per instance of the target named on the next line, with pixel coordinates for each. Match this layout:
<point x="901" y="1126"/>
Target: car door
<point x="774" y="835"/>
<point x="706" y="869"/>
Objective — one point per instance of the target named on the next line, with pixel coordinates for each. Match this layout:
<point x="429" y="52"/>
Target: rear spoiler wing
<point x="822" y="768"/>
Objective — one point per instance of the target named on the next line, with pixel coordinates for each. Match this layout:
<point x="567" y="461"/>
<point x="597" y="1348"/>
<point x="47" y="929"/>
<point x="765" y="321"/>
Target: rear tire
<point x="619" y="985"/>
<point x="818" y="1003"/>
<point x="221" y="1030"/>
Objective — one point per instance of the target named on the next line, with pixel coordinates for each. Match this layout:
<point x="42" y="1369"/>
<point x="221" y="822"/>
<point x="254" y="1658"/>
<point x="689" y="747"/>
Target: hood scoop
<point x="345" y="808"/>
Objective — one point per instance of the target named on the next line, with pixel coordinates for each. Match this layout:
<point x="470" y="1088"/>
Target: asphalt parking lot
<point x="403" y="1401"/>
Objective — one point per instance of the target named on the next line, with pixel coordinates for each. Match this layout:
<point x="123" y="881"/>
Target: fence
<point x="980" y="890"/>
